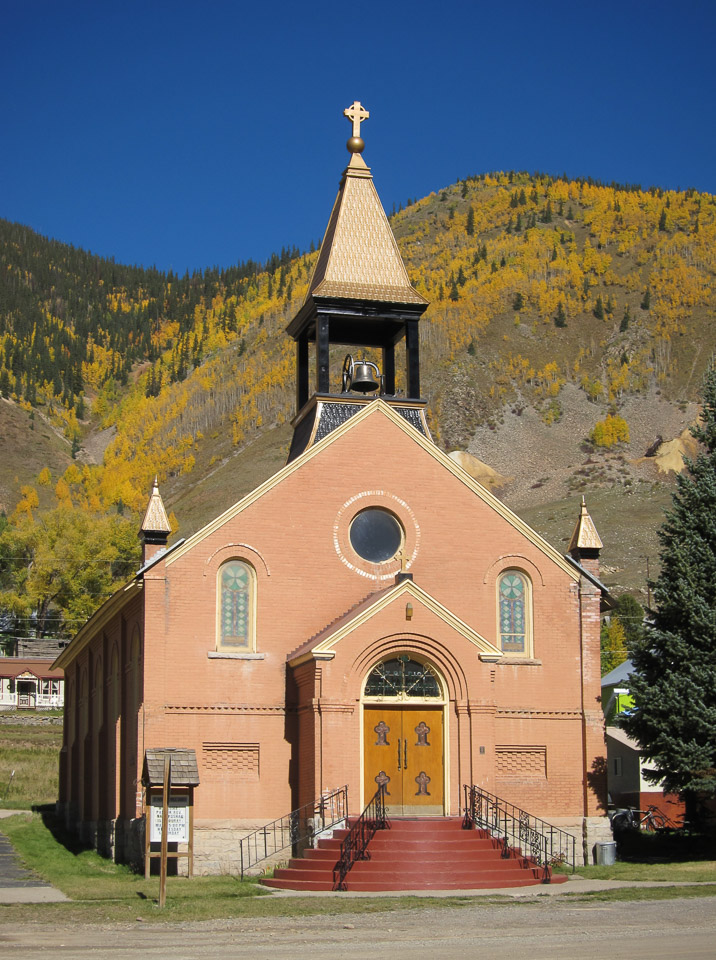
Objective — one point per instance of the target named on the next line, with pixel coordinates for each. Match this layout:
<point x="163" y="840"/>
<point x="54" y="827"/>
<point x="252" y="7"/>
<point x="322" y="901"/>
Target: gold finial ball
<point x="355" y="144"/>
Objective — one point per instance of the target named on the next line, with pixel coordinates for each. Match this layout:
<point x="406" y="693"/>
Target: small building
<point x="626" y="782"/>
<point x="31" y="683"/>
<point x="370" y="615"/>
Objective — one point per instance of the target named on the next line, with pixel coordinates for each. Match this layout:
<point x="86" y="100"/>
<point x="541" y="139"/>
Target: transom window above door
<point x="403" y="678"/>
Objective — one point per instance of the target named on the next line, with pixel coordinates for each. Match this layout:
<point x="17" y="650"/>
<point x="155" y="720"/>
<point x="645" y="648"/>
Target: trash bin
<point x="605" y="853"/>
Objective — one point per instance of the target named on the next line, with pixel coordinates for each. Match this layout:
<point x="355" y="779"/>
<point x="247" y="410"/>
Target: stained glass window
<point x="513" y="624"/>
<point x="402" y="677"/>
<point x="236" y="583"/>
<point x="376" y="535"/>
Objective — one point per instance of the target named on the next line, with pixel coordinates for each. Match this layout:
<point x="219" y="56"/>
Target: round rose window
<point x="376" y="535"/>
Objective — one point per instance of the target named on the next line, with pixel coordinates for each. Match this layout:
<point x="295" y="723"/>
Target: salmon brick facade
<point x="369" y="615"/>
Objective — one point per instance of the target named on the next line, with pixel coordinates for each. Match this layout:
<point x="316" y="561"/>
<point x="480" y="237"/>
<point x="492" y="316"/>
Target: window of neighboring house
<point x="617" y="766"/>
<point x="514" y="597"/>
<point x="237" y="589"/>
<point x="45" y="689"/>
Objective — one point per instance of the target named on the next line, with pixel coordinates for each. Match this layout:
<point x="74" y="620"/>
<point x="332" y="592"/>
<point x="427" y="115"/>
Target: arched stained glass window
<point x="236" y="589"/>
<point x="404" y="678"/>
<point x="513" y="612"/>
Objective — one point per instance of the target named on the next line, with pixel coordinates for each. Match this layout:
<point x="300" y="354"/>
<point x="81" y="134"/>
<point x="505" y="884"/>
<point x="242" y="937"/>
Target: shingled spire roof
<point x="155" y="519"/>
<point x="585" y="536"/>
<point x="359" y="258"/>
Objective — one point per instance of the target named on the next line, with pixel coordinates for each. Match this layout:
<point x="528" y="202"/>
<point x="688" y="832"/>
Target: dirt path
<point x="541" y="930"/>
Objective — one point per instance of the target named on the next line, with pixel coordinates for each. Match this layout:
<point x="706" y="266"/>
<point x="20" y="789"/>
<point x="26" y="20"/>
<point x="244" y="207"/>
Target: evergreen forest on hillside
<point x="122" y="372"/>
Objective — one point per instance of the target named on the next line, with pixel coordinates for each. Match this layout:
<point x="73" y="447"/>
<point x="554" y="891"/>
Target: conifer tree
<point x="599" y="308"/>
<point x="470" y="225"/>
<point x="674" y="683"/>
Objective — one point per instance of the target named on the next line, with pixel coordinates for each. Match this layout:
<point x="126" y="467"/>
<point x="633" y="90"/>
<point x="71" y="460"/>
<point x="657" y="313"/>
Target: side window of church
<point x="236" y="614"/>
<point x="513" y="596"/>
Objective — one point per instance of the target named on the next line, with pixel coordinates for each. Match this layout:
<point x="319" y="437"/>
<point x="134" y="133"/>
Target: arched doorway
<point x="404" y="736"/>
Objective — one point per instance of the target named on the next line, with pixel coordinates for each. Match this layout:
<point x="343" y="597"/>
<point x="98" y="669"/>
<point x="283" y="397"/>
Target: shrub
<point x="610" y="431"/>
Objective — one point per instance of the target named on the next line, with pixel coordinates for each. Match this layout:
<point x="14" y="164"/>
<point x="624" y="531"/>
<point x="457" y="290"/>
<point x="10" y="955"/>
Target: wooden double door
<point x="403" y="748"/>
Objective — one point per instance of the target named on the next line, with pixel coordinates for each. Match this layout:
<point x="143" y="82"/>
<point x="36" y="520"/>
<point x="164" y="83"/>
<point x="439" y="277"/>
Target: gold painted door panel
<point x="404" y="750"/>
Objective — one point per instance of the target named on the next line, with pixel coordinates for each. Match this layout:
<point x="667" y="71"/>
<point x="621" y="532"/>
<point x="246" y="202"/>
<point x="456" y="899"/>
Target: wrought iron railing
<point x="518" y="833"/>
<point x="297" y="829"/>
<point x="355" y="843"/>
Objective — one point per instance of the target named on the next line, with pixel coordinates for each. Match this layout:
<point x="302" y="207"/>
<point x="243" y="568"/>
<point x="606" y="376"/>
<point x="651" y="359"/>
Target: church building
<point x="369" y="615"/>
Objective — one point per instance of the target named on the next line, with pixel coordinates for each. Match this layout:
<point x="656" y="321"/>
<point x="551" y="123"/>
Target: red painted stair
<point x="419" y="854"/>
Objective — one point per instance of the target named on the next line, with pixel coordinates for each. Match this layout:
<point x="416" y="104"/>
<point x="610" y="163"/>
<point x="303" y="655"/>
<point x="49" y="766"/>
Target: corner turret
<point x="155" y="529"/>
<point x="586" y="543"/>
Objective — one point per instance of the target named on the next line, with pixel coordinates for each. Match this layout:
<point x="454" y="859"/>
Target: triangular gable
<point x="322" y="646"/>
<point x="378" y="408"/>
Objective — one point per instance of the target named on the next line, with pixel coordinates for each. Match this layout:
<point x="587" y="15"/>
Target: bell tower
<point x="359" y="296"/>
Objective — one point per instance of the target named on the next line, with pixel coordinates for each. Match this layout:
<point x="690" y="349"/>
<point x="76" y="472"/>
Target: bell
<point x="363" y="379"/>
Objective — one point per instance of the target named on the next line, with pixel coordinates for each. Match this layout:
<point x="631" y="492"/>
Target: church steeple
<point x="586" y="543"/>
<point x="155" y="528"/>
<point x="360" y="294"/>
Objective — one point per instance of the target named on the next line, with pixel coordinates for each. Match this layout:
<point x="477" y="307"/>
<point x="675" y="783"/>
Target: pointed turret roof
<point x="359" y="258"/>
<point x="585" y="536"/>
<point x="155" y="519"/>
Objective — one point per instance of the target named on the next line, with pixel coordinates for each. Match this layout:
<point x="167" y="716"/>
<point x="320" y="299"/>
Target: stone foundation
<point x="587" y="832"/>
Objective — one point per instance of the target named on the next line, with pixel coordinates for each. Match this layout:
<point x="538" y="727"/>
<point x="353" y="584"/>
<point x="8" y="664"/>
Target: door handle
<point x="398" y="753"/>
<point x="405" y="754"/>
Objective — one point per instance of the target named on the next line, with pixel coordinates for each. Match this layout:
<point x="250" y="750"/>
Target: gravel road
<point x="539" y="930"/>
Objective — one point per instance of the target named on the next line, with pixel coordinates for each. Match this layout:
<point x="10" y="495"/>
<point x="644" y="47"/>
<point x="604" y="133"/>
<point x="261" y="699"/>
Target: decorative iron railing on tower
<point x="355" y="843"/>
<point x="518" y="832"/>
<point x="297" y="829"/>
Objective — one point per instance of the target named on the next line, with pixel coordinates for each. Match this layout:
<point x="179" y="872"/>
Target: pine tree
<point x="674" y="679"/>
<point x="646" y="300"/>
<point x="561" y="319"/>
<point x="599" y="308"/>
<point x="470" y="225"/>
<point x="624" y="325"/>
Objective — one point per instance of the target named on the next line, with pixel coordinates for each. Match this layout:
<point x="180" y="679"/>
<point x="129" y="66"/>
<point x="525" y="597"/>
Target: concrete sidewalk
<point x="575" y="884"/>
<point x="17" y="883"/>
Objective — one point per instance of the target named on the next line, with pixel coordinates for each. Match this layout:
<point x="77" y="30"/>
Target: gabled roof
<point x="39" y="667"/>
<point x="619" y="674"/>
<point x="321" y="647"/>
<point x="184" y="768"/>
<point x="359" y="258"/>
<point x="378" y="408"/>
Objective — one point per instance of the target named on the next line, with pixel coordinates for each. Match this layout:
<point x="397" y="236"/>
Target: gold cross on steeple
<point x="357" y="115"/>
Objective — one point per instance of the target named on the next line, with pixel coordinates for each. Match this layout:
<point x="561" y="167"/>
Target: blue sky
<point x="189" y="135"/>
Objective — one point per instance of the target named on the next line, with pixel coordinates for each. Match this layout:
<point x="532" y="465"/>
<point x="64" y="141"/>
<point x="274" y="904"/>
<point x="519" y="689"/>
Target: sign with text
<point x="178" y="825"/>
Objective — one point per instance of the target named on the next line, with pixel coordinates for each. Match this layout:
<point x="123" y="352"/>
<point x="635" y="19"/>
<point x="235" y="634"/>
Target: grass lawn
<point x="32" y="751"/>
<point x="103" y="892"/>
<point x="692" y="871"/>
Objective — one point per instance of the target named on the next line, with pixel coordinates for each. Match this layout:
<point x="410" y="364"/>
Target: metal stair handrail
<point x="355" y="844"/>
<point x="519" y="833"/>
<point x="296" y="829"/>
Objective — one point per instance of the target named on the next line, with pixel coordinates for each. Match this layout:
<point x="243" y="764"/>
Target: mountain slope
<point x="557" y="307"/>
